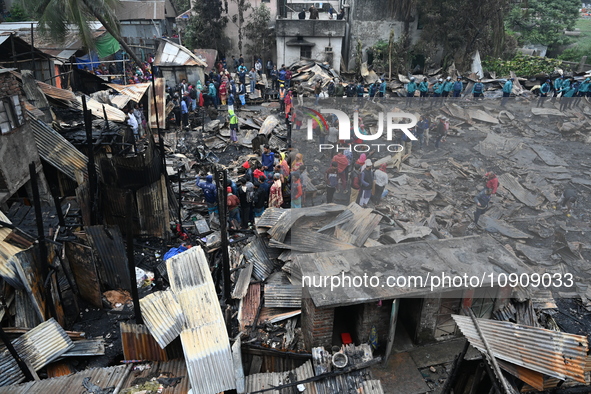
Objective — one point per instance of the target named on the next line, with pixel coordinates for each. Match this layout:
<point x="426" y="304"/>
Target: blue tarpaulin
<point x="91" y="61"/>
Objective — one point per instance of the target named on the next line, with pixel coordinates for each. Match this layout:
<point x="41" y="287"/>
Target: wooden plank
<point x="160" y="94"/>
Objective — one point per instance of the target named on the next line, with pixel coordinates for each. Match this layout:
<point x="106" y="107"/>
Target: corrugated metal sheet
<point x="134" y="92"/>
<point x="357" y="230"/>
<point x="102" y="377"/>
<point x="139" y="344"/>
<point x="242" y="283"/>
<point x="553" y="353"/>
<point x="56" y="93"/>
<point x="270" y="217"/>
<point x="280" y="293"/>
<point x="58" y="151"/>
<point x="96" y="109"/>
<point x="163" y="316"/>
<point x="205" y="340"/>
<point x="43" y="344"/>
<point x="160" y="102"/>
<point x="249" y="306"/>
<point x="171" y="54"/>
<point x="304" y="240"/>
<point x="11" y="372"/>
<point x="134" y="10"/>
<point x="112" y="259"/>
<point x="256" y="253"/>
<point x="120" y="100"/>
<point x="261" y="381"/>
<point x="86" y="347"/>
<point x="280" y="230"/>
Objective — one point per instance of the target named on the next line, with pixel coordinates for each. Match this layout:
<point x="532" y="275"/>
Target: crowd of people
<point x="132" y="72"/>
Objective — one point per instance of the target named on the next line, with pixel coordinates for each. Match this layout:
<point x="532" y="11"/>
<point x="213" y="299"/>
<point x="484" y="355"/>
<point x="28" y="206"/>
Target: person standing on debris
<point x="260" y="199"/>
<point x="569" y="96"/>
<point x="355" y="181"/>
<point x="296" y="190"/>
<point x="258" y="66"/>
<point x="288" y="75"/>
<point x="297" y="162"/>
<point x="411" y="88"/>
<point x="332" y="181"/>
<point x="223" y="92"/>
<point x="176" y="110"/>
<point x="544" y="90"/>
<point x="233" y="126"/>
<point x="132" y="122"/>
<point x="268" y="161"/>
<point x="339" y="89"/>
<point x="366" y="183"/>
<point x="299" y="90"/>
<point x="241" y="91"/>
<point x="440" y="132"/>
<point x="302" y="14"/>
<point x="252" y="77"/>
<point x="492" y="182"/>
<point x="458" y="88"/>
<point x="585" y="87"/>
<point x="185" y="112"/>
<point x="212" y="93"/>
<point x="274" y="78"/>
<point x="422" y="129"/>
<point x="331" y="12"/>
<point x="381" y="180"/>
<point x="281" y="75"/>
<point x="269" y="67"/>
<point x="246" y="196"/>
<point x="482" y="200"/>
<point x="341" y="14"/>
<point x="233" y="203"/>
<point x="210" y="193"/>
<point x="313" y="12"/>
<point x="231" y="102"/>
<point x="478" y="89"/>
<point x="275" y="192"/>
<point x="557" y="85"/>
<point x="568" y="199"/>
<point x="317" y="91"/>
<point x="407" y="142"/>
<point x="282" y="92"/>
<point x="382" y="89"/>
<point x="447" y="87"/>
<point x="424" y="89"/>
<point x="342" y="164"/>
<point x="360" y="92"/>
<point x="507" y="89"/>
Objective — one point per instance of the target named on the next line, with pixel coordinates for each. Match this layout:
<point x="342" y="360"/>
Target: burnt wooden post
<point x="221" y="178"/>
<point x="41" y="238"/>
<point x="180" y="201"/>
<point x="21" y="364"/>
<point x="131" y="258"/>
<point x="92" y="177"/>
<point x="58" y="206"/>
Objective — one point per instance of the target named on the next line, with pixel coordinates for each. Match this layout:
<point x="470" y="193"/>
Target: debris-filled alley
<point x="187" y="253"/>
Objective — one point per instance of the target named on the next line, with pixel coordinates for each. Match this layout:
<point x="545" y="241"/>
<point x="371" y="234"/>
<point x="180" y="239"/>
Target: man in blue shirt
<point x="185" y="112"/>
<point x="437" y="92"/>
<point x="268" y="161"/>
<point x="382" y="90"/>
<point x="447" y="86"/>
<point x="213" y="94"/>
<point x="544" y="90"/>
<point x="210" y="193"/>
<point x="557" y="87"/>
<point x="478" y="89"/>
<point x="585" y="88"/>
<point x="507" y="89"/>
<point x="482" y="200"/>
<point x="424" y="89"/>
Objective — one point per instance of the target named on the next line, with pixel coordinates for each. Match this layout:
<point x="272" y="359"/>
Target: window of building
<point x="11" y="114"/>
<point x="306" y="52"/>
<point x="266" y="1"/>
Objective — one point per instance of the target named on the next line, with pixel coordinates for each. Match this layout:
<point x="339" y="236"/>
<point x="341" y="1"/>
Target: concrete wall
<point x="287" y="54"/>
<point x="232" y="29"/>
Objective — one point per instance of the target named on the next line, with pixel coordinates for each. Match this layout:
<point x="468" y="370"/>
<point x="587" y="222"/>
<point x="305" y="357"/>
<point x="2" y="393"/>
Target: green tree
<point x="461" y="27"/>
<point x="17" y="14"/>
<point x="261" y="37"/>
<point x="543" y="21"/>
<point x="55" y="17"/>
<point x="181" y="5"/>
<point x="206" y="28"/>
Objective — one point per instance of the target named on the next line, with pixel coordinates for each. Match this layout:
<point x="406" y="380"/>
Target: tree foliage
<point x="543" y="21"/>
<point x="206" y="28"/>
<point x="18" y="14"/>
<point x="238" y="19"/>
<point x="181" y="5"/>
<point x="261" y="37"/>
<point x="522" y="65"/>
<point x="461" y="27"/>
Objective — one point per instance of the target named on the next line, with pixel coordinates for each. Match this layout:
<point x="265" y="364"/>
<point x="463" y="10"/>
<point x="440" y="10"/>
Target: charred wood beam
<point x="92" y="176"/>
<point x="131" y="257"/>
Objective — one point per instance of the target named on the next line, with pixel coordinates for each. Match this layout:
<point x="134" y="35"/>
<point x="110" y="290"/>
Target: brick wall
<point x="9" y="85"/>
<point x="317" y="324"/>
<point x="374" y="315"/>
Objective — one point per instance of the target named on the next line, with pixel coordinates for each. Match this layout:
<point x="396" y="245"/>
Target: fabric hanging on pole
<point x="106" y="45"/>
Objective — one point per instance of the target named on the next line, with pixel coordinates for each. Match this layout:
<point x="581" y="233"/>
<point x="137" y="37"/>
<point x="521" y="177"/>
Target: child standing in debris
<point x="275" y="193"/>
<point x="482" y="200"/>
<point x="233" y="126"/>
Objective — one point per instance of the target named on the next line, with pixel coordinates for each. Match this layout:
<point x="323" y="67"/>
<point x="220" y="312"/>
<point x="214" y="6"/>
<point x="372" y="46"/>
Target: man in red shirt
<point x="233" y="203"/>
